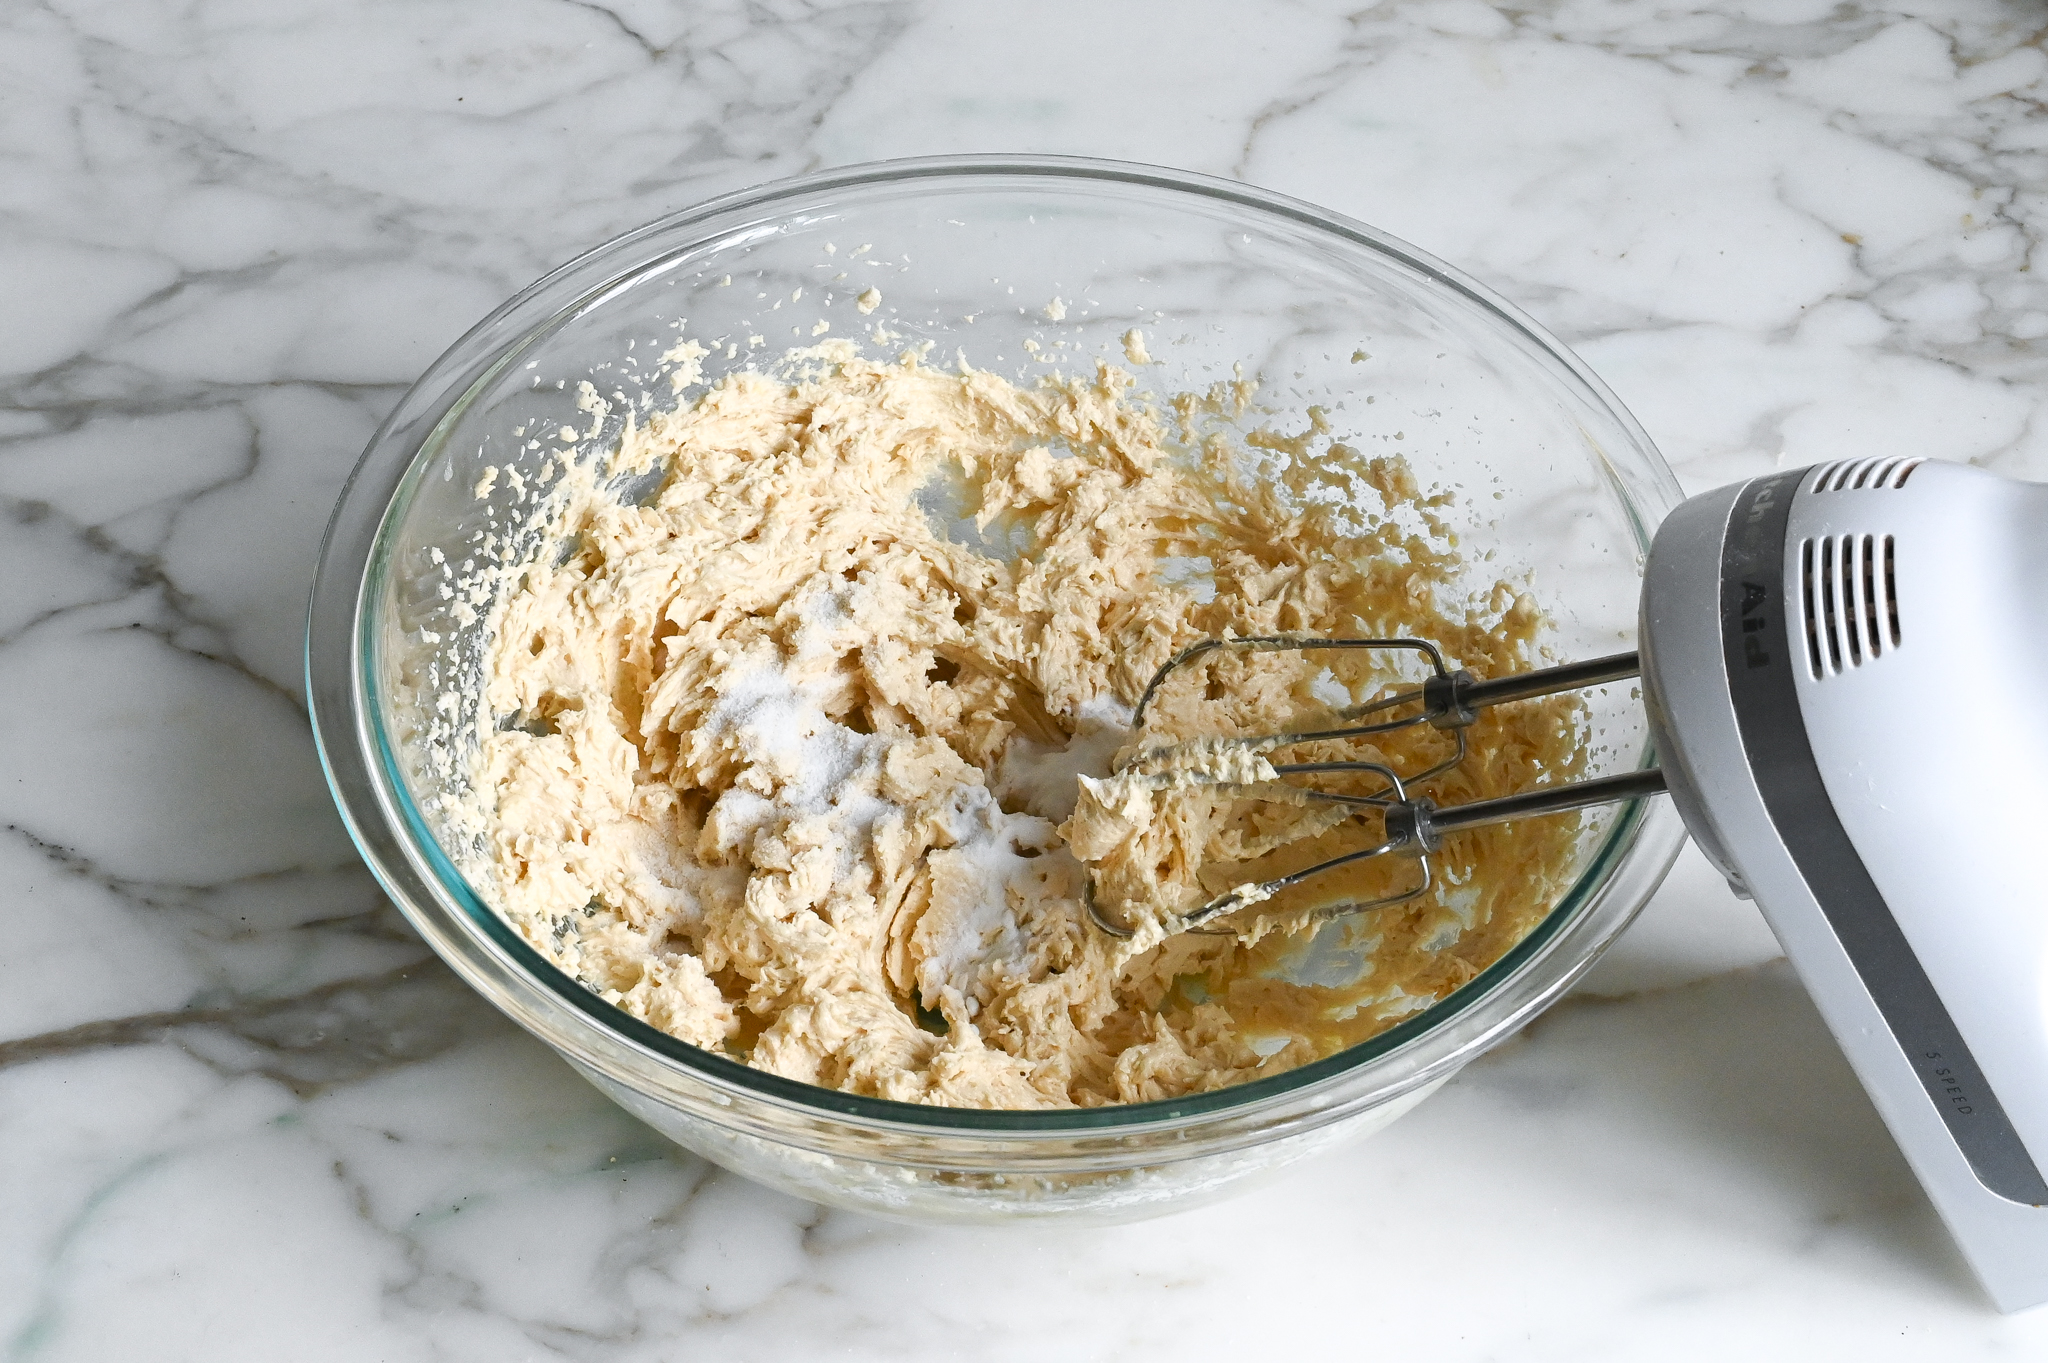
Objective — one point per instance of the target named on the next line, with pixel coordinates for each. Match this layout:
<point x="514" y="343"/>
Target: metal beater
<point x="1414" y="825"/>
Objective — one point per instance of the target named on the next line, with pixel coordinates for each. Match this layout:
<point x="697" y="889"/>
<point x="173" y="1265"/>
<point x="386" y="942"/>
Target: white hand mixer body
<point x="1805" y="639"/>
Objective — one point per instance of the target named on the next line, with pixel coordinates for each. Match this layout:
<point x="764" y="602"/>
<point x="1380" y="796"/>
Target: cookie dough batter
<point x="786" y="756"/>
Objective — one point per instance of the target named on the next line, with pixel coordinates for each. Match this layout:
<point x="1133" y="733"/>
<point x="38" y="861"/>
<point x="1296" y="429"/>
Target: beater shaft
<point x="1546" y="681"/>
<point x="1558" y="799"/>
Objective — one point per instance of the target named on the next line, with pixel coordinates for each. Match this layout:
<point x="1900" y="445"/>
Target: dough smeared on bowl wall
<point x="786" y="756"/>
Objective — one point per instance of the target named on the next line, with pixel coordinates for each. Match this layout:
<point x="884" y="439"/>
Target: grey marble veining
<point x="245" y="1115"/>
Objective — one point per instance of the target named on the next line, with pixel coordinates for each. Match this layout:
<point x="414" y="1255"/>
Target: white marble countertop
<point x="244" y="1116"/>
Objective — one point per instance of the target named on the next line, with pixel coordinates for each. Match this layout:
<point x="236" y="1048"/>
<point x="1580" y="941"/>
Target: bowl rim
<point x="358" y="760"/>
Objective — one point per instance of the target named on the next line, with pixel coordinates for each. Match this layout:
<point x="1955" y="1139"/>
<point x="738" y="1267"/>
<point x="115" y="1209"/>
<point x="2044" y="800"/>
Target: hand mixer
<point x="1807" y="642"/>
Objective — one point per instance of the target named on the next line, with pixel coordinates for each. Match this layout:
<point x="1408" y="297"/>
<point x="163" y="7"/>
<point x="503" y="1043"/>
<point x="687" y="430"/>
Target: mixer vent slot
<point x="1848" y="585"/>
<point x="1874" y="474"/>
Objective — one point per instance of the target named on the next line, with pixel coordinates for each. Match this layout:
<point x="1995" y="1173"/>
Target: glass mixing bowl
<point x="1405" y="354"/>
